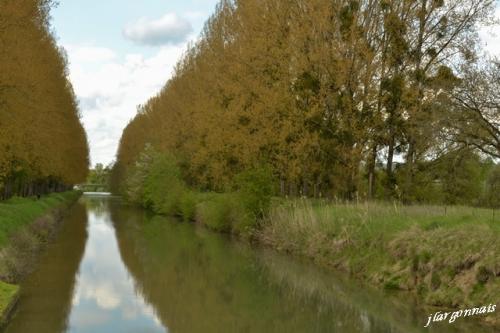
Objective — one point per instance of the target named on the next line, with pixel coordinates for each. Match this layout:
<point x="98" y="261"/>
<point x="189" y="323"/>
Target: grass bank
<point x="448" y="256"/>
<point x="26" y="225"/>
<point x="8" y="295"/>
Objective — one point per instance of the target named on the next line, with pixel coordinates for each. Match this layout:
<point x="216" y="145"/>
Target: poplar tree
<point x="43" y="146"/>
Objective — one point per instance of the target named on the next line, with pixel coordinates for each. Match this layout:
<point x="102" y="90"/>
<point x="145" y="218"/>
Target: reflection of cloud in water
<point x="105" y="295"/>
<point x="87" y="319"/>
<point x="105" y="299"/>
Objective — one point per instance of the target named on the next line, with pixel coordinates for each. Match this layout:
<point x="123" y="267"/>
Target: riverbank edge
<point x="11" y="291"/>
<point x="418" y="255"/>
<point x="11" y="303"/>
<point x="382" y="278"/>
<point x="224" y="213"/>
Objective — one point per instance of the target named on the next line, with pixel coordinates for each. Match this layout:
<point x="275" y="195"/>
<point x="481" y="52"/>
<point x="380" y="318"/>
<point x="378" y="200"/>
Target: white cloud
<point x="109" y="89"/>
<point x="169" y="29"/>
<point x="88" y="53"/>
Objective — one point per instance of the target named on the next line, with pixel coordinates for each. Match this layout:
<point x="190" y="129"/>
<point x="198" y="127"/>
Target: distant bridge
<point x="92" y="187"/>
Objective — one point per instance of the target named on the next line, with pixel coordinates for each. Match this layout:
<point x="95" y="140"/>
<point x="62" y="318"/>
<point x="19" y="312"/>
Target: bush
<point x="187" y="205"/>
<point x="255" y="188"/>
<point x="225" y="212"/>
<point x="155" y="182"/>
<point x="243" y="222"/>
<point x="215" y="213"/>
<point x="238" y="211"/>
<point x="134" y="186"/>
<point x="163" y="185"/>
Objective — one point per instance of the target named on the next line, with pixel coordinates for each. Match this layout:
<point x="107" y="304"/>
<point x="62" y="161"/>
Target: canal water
<point x="116" y="268"/>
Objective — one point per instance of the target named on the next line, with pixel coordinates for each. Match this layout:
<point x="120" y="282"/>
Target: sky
<point x="121" y="52"/>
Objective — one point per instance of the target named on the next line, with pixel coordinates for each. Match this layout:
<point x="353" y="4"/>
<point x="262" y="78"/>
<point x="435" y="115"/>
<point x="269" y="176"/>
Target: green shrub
<point x="243" y="221"/>
<point x="155" y="182"/>
<point x="134" y="186"/>
<point x="187" y="205"/>
<point x="215" y="213"/>
<point x="255" y="189"/>
<point x="163" y="185"/>
<point x="225" y="212"/>
<point x="392" y="284"/>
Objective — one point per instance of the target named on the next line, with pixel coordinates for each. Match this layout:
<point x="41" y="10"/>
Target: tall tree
<point x="43" y="146"/>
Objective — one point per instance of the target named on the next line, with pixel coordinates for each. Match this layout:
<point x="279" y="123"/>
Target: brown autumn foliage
<point x="328" y="93"/>
<point x="43" y="146"/>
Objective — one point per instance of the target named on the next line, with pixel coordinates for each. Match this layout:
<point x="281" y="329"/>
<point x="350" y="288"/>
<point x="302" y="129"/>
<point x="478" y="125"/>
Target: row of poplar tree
<point x="43" y="146"/>
<point x="368" y="98"/>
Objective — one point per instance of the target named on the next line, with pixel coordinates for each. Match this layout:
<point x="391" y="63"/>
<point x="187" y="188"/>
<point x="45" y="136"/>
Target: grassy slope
<point x="17" y="213"/>
<point x="449" y="256"/>
<point x="7" y="292"/>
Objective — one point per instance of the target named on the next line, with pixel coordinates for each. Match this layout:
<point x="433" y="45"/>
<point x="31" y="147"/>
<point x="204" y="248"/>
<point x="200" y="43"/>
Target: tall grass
<point x="370" y="221"/>
<point x="18" y="212"/>
<point x="447" y="254"/>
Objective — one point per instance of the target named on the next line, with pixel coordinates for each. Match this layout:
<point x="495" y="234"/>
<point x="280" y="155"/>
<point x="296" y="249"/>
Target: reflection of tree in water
<point x="198" y="281"/>
<point x="363" y="309"/>
<point x="46" y="295"/>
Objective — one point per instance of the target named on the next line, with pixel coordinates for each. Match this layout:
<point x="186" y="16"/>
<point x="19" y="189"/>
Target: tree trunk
<point x="390" y="158"/>
<point x="371" y="171"/>
<point x="282" y="187"/>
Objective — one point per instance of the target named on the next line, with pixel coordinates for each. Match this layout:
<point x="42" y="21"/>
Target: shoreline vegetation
<point x="26" y="226"/>
<point x="381" y="115"/>
<point x="445" y="255"/>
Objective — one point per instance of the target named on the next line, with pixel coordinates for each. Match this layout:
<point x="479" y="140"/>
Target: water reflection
<point x="199" y="281"/>
<point x="105" y="300"/>
<point x="358" y="309"/>
<point x="46" y="295"/>
<point x="141" y="273"/>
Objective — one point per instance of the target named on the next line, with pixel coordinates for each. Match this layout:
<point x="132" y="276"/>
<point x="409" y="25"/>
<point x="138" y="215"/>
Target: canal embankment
<point x="446" y="256"/>
<point x="26" y="226"/>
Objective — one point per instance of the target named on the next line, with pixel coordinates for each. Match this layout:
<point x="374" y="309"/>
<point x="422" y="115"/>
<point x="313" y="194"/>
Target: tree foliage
<point x="43" y="146"/>
<point x="340" y="98"/>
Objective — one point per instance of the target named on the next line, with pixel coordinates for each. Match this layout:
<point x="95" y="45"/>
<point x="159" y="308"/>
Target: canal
<point x="116" y="268"/>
